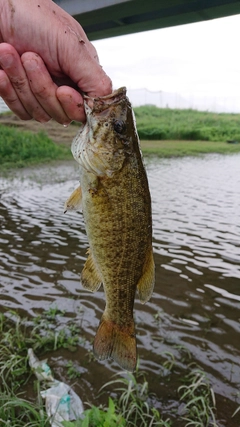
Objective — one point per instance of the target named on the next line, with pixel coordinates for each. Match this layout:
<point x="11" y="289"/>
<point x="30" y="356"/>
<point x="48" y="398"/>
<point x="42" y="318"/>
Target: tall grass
<point x="155" y="123"/>
<point x="21" y="148"/>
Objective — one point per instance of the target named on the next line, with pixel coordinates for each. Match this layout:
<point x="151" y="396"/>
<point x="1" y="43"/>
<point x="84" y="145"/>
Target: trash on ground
<point x="61" y="402"/>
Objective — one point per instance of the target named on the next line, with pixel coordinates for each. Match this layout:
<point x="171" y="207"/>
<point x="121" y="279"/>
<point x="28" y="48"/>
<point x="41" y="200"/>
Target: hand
<point x="46" y="61"/>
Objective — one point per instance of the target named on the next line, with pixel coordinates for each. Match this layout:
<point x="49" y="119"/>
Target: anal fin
<point x="90" y="276"/>
<point x="74" y="201"/>
<point x="118" y="343"/>
<point x="146" y="282"/>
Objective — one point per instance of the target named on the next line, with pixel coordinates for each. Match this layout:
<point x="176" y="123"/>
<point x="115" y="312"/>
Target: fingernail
<point x="30" y="64"/>
<point x="6" y="61"/>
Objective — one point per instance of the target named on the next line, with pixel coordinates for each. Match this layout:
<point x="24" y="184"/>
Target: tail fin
<point x="116" y="342"/>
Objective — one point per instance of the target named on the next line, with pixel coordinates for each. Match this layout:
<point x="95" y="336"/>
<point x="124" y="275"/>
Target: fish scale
<point x="116" y="206"/>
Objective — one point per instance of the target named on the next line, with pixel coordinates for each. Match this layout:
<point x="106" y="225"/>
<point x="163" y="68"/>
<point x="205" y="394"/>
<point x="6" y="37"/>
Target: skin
<point x="46" y="61"/>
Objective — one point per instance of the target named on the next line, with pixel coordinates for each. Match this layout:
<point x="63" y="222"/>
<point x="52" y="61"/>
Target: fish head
<point x="106" y="139"/>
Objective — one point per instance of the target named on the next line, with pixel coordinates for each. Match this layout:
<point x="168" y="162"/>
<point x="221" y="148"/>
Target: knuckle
<point x="4" y="81"/>
<point x="40" y="91"/>
<point x="19" y="83"/>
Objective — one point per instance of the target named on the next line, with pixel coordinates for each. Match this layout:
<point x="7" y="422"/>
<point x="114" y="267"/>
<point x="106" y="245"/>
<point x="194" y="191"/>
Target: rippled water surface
<point x="195" y="308"/>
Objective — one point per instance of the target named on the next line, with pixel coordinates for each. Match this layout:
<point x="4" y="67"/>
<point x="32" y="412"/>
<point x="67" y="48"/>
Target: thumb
<point x="81" y="63"/>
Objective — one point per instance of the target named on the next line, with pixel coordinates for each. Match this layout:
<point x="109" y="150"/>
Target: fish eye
<point x="119" y="126"/>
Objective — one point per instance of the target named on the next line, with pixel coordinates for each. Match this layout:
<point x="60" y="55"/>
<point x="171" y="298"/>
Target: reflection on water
<point x="196" y="224"/>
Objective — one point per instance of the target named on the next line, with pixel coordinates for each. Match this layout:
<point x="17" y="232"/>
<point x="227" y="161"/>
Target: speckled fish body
<point x="117" y="213"/>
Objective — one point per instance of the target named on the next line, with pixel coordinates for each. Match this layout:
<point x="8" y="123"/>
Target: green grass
<point x="187" y="148"/>
<point x="18" y="412"/>
<point x="155" y="123"/>
<point x="163" y="132"/>
<point x="199" y="399"/>
<point x="134" y="401"/>
<point x="23" y="148"/>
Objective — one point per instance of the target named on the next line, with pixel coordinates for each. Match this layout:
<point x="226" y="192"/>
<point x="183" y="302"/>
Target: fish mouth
<point x="101" y="103"/>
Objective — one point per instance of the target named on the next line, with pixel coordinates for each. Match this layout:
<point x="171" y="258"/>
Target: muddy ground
<point x="58" y="133"/>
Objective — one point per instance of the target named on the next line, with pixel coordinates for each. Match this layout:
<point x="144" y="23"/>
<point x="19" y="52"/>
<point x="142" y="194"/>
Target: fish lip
<point x="101" y="103"/>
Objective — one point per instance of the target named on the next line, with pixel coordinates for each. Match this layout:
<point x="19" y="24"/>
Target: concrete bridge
<point x="108" y="18"/>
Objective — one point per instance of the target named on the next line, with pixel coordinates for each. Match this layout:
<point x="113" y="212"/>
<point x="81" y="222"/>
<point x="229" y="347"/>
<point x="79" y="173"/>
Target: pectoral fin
<point x="146" y="283"/>
<point x="90" y="276"/>
<point x="74" y="201"/>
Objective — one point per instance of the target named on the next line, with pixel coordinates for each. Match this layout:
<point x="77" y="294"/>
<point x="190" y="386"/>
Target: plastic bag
<point x="40" y="368"/>
<point x="61" y="402"/>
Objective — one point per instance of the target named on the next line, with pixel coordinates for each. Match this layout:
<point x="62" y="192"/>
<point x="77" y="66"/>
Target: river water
<point x="195" y="308"/>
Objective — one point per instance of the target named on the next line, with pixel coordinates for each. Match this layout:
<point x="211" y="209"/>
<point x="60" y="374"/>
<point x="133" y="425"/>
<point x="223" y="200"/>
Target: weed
<point x="236" y="412"/>
<point x="134" y="402"/>
<point x="90" y="356"/>
<point x="185" y="354"/>
<point x="99" y="417"/>
<point x="72" y="371"/>
<point x="17" y="412"/>
<point x="170" y="362"/>
<point x="199" y="400"/>
<point x="52" y="313"/>
<point x="17" y="335"/>
<point x="157" y="316"/>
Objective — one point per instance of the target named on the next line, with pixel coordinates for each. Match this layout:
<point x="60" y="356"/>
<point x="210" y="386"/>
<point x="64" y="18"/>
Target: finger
<point x="100" y="86"/>
<point x="43" y="87"/>
<point x="11" y="64"/>
<point x="72" y="103"/>
<point x="87" y="73"/>
<point x="8" y="93"/>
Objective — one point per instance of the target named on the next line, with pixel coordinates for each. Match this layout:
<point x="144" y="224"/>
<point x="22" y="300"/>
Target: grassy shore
<point x="164" y="123"/>
<point x="187" y="148"/>
<point x="27" y="143"/>
<point x="23" y="148"/>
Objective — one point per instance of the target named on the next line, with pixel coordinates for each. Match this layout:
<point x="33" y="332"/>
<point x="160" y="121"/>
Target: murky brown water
<point x="196" y="303"/>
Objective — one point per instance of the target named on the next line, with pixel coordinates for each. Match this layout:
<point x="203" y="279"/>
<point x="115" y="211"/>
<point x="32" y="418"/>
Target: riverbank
<point x="187" y="148"/>
<point x="23" y="143"/>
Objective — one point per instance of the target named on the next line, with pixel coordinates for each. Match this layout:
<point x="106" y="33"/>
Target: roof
<point x="107" y="18"/>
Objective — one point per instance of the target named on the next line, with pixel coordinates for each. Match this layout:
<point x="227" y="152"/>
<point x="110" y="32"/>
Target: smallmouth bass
<point x="116" y="206"/>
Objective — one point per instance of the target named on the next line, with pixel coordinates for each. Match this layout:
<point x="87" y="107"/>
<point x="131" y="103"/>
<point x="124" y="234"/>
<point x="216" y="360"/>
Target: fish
<point x="116" y="204"/>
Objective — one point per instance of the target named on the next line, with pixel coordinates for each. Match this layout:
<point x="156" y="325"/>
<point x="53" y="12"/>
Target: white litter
<point x="41" y="369"/>
<point x="61" y="402"/>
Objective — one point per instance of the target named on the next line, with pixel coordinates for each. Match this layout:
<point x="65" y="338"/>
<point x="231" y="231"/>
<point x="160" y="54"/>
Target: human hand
<point x="46" y="62"/>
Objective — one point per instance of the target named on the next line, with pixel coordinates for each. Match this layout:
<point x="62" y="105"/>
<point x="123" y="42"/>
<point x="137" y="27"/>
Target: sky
<point x="200" y="59"/>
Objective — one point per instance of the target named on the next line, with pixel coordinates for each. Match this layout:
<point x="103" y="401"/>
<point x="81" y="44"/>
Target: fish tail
<point x="116" y="342"/>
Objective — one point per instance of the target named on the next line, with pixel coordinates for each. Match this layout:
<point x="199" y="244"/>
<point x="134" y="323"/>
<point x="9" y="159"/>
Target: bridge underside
<point x="108" y="18"/>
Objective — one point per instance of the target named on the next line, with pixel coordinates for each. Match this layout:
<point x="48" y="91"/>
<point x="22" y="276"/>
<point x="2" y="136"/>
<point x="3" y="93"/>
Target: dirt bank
<point x="54" y="130"/>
